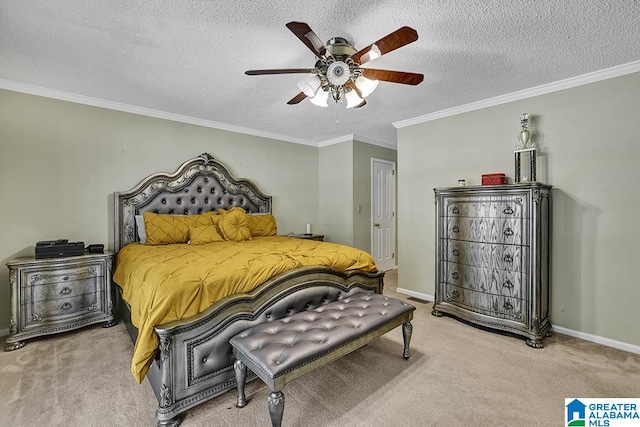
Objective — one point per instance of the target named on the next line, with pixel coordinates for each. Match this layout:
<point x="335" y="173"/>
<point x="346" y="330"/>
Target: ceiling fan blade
<point x="388" y="43"/>
<point x="308" y="37"/>
<point x="282" y="71"/>
<point x="393" y="76"/>
<point x="297" y="99"/>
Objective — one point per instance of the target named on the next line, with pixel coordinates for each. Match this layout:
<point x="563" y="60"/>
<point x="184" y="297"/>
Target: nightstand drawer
<point x="69" y="274"/>
<point x="39" y="311"/>
<point x="63" y="290"/>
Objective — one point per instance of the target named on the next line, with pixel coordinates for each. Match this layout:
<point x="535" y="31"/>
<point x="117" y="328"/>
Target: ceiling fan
<point x="338" y="72"/>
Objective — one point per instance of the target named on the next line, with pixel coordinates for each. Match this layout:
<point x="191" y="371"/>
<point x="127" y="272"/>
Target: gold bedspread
<point x="171" y="282"/>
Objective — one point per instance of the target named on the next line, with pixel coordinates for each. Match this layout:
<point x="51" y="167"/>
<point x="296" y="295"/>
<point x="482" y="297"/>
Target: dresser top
<point x="503" y="187"/>
<point x="61" y="260"/>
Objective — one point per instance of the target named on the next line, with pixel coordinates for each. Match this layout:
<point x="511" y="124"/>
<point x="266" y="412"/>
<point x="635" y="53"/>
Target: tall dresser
<point x="492" y="257"/>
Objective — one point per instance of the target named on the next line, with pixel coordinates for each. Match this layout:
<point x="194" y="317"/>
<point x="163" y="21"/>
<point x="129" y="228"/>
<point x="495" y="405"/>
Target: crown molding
<point x="127" y="108"/>
<point x="596" y="76"/>
<point x="374" y="142"/>
<point x="351" y="137"/>
<point x="338" y="140"/>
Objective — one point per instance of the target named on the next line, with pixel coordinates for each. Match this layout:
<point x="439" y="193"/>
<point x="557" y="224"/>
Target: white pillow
<point x="142" y="233"/>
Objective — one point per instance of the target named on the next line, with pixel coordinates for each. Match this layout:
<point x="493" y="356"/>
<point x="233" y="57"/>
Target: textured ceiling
<point x="188" y="57"/>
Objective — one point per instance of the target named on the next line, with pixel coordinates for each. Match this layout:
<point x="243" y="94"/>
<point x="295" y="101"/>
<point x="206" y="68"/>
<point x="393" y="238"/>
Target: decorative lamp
<point x="525" y="153"/>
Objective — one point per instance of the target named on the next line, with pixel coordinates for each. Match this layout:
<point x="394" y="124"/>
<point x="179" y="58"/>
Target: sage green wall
<point x="362" y="155"/>
<point x="336" y="193"/>
<point x="60" y="163"/>
<point x="589" y="136"/>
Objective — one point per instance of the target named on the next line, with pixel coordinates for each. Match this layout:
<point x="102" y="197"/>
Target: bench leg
<point x="407" y="328"/>
<point x="240" y="370"/>
<point x="276" y="408"/>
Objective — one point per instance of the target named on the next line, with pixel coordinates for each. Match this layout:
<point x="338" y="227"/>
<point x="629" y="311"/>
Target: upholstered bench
<point x="282" y="350"/>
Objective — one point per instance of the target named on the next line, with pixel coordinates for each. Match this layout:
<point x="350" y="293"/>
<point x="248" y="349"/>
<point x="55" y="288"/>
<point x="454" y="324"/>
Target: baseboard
<point x="598" y="340"/>
<point x="556" y="329"/>
<point x="4" y="332"/>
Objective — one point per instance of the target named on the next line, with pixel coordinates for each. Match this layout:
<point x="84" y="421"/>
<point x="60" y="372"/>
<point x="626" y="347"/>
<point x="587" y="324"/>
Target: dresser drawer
<point x="491" y="281"/>
<point x="485" y="255"/>
<point x="61" y="309"/>
<point x="499" y="306"/>
<point x="486" y="207"/>
<point x="488" y="230"/>
<point x="62" y="290"/>
<point x="68" y="274"/>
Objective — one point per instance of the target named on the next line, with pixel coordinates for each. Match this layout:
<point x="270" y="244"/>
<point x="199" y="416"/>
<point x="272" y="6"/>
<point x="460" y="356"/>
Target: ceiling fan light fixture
<point x="320" y="99"/>
<point x="366" y="86"/>
<point x="338" y="73"/>
<point x="309" y="86"/>
<point x="353" y="100"/>
<point x="373" y="53"/>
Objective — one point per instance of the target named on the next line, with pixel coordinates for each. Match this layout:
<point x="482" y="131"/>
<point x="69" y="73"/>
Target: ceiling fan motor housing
<point x="340" y="48"/>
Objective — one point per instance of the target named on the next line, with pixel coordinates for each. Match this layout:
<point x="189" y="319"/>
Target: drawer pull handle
<point x="66" y="306"/>
<point x="455" y="294"/>
<point x="508" y="232"/>
<point x="508" y="258"/>
<point x="455" y="252"/>
<point x="455" y="275"/>
<point x="65" y="291"/>
<point x="455" y="229"/>
<point x="508" y="284"/>
<point x="455" y="210"/>
<point x="508" y="210"/>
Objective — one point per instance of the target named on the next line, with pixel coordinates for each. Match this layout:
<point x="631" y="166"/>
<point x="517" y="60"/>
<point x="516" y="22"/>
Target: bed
<point x="193" y="361"/>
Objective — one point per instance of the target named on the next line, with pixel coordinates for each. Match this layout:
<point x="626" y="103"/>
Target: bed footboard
<point x="195" y="361"/>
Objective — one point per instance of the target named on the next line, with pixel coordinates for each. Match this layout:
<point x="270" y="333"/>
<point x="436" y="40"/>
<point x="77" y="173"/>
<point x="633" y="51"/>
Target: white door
<point x="383" y="207"/>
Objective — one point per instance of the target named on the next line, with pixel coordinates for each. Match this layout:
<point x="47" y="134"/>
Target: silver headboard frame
<point x="199" y="185"/>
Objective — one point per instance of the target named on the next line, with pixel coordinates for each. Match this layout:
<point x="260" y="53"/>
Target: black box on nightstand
<point x="58" y="248"/>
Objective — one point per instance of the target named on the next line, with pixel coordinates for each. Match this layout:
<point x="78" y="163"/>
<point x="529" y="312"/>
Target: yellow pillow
<point x="165" y="229"/>
<point x="234" y="226"/>
<point x="203" y="234"/>
<point x="262" y="225"/>
<point x="223" y="211"/>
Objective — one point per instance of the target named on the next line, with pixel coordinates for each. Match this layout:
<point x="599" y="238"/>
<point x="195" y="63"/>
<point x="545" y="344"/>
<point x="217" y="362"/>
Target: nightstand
<point x="318" y="237"/>
<point x="58" y="294"/>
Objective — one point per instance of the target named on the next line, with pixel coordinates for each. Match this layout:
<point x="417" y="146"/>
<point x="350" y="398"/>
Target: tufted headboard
<point x="199" y="185"/>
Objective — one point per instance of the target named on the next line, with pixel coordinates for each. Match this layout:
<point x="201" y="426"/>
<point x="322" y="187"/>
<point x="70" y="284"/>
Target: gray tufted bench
<point x="280" y="351"/>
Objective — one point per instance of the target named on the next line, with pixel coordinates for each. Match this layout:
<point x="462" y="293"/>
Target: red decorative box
<point x="493" y="179"/>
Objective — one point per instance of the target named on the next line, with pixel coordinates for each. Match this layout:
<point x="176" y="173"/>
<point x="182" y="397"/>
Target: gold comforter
<point x="171" y="282"/>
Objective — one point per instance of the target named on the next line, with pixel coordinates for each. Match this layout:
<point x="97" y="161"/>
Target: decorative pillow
<point x="223" y="211"/>
<point x="262" y="225"/>
<point x="234" y="225"/>
<point x="165" y="229"/>
<point x="201" y="234"/>
<point x="142" y="235"/>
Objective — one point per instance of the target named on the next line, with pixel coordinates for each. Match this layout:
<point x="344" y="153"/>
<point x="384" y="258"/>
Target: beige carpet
<point x="457" y="375"/>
